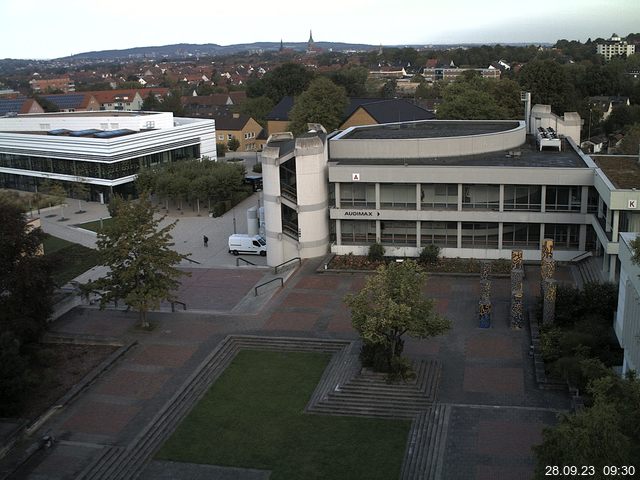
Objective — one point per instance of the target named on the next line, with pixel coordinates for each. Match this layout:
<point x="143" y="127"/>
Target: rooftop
<point x="101" y="113"/>
<point x="428" y="129"/>
<point x="527" y="155"/>
<point x="623" y="171"/>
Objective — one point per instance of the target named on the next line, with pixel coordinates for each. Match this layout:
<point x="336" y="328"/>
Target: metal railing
<point x="298" y="259"/>
<point x="581" y="257"/>
<point x="238" y="259"/>
<point x="255" y="290"/>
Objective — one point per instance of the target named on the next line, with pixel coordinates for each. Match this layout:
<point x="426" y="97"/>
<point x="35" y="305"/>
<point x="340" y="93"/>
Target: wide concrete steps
<point x="127" y="463"/>
<point x="424" y="454"/>
<point x="369" y="394"/>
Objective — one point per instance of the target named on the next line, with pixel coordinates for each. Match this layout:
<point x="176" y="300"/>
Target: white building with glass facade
<point x="102" y="149"/>
<point x="474" y="188"/>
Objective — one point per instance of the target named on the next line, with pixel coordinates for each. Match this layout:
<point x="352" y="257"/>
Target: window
<point x="357" y="195"/>
<point x="398" y="233"/>
<point x="480" y="197"/>
<point x="229" y="136"/>
<point x="522" y="197"/>
<point x="439" y="197"/>
<point x="479" y="235"/>
<point x="398" y="196"/>
<point x="563" y="199"/>
<point x="220" y="137"/>
<point x="357" y="232"/>
<point x="565" y="237"/>
<point x="442" y="234"/>
<point x="521" y="235"/>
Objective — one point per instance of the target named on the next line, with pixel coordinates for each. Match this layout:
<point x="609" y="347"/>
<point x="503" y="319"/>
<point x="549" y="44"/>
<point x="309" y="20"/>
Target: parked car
<point x="244" y="243"/>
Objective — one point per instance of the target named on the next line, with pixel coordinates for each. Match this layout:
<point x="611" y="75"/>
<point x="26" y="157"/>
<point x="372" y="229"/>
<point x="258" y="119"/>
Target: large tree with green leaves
<point x="323" y="102"/>
<point x="287" y="79"/>
<point x="549" y="84"/>
<point x="26" y="292"/>
<point x="603" y="434"/>
<point x="391" y="305"/>
<point x="142" y="264"/>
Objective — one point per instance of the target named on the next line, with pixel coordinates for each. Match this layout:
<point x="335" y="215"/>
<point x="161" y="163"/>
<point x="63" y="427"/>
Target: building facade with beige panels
<point x="475" y="188"/>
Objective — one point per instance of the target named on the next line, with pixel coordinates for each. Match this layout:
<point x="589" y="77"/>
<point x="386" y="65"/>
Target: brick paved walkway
<point x="487" y="376"/>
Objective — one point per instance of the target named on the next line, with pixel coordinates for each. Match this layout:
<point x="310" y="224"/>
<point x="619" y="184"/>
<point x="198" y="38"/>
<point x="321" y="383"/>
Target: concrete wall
<point x="84" y="120"/>
<point x="627" y="318"/>
<point x="568" y="125"/>
<point x="429" y="147"/>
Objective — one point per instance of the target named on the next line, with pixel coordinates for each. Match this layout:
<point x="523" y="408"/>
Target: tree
<point x="388" y="90"/>
<point x="142" y="265"/>
<point x="287" y="79"/>
<point x="257" y="108"/>
<point x="150" y="103"/>
<point x="630" y="144"/>
<point x="25" y="303"/>
<point x="603" y="434"/>
<point x="233" y="144"/>
<point x="353" y="79"/>
<point x="221" y="149"/>
<point x="57" y="191"/>
<point x="323" y="102"/>
<point x="549" y="84"/>
<point x="468" y="100"/>
<point x="392" y="304"/>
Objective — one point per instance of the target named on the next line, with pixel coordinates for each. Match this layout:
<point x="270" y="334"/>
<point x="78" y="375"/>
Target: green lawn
<point x="253" y="417"/>
<point x="95" y="225"/>
<point x="68" y="259"/>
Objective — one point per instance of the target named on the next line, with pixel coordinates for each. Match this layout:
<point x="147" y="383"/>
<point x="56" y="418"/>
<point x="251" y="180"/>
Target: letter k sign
<point x="633" y="204"/>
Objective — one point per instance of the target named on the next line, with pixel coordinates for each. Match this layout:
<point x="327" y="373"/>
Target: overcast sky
<point x="45" y="29"/>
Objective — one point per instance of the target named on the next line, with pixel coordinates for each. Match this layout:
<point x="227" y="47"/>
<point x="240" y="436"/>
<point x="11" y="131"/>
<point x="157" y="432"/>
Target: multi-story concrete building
<point x="102" y="149"/>
<point x="627" y="318"/>
<point x="447" y="74"/>
<point x="474" y="188"/>
<point x="614" y="47"/>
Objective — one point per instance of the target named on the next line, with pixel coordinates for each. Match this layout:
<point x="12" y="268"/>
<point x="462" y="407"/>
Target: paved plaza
<point x="497" y="411"/>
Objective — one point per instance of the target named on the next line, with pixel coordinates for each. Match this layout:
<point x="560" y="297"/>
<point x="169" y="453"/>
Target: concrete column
<point x="584" y="199"/>
<point x="612" y="267"/>
<point x="459" y="200"/>
<point x="377" y="197"/>
<point x="459" y="234"/>
<point x="378" y="232"/>
<point x="500" y="231"/>
<point x="543" y="199"/>
<point x="418" y="195"/>
<point x="418" y="239"/>
<point x="337" y="192"/>
<point x="582" y="238"/>
<point x="616" y="225"/>
<point x="338" y="232"/>
<point x="605" y="261"/>
<point x="541" y="235"/>
<point x="501" y="201"/>
<point x="607" y="222"/>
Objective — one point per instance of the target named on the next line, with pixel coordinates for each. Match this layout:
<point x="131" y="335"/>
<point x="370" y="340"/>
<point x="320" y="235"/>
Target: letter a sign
<point x="355" y="177"/>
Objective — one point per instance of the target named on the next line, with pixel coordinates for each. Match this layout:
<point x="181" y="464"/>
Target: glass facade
<point x="481" y="197"/>
<point x="479" y="235"/>
<point x="522" y="197"/>
<point x="361" y="195"/>
<point x="400" y="233"/>
<point x="357" y="232"/>
<point x="439" y="196"/>
<point x="442" y="234"/>
<point x="521" y="235"/>
<point x="565" y="237"/>
<point x="563" y="199"/>
<point x="398" y="196"/>
<point x="104" y="170"/>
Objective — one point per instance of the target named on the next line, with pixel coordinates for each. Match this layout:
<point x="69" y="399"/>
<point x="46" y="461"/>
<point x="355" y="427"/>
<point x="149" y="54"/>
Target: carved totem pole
<point x="484" y="305"/>
<point x="517" y="277"/>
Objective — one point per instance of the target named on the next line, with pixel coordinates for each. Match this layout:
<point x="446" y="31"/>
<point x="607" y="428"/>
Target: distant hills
<point x="182" y="50"/>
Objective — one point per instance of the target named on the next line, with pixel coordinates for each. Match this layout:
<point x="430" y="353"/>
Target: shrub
<point x="221" y="149"/>
<point x="429" y="254"/>
<point x="257" y="168"/>
<point x="376" y="252"/>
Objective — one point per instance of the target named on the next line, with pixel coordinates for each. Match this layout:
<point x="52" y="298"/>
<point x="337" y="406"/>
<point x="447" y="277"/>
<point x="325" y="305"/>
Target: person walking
<point x="205" y="240"/>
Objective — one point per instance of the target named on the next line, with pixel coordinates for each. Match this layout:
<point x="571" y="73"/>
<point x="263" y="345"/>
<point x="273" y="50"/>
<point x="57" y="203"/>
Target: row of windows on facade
<point x="247" y="136"/>
<point x="109" y="171"/>
<point x="481" y="197"/>
<point x="472" y="235"/>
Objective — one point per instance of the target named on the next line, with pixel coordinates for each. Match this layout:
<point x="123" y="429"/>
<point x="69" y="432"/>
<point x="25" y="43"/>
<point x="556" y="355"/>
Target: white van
<point x="243" y="243"/>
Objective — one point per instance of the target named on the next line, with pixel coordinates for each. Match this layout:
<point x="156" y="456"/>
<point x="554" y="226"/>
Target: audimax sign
<point x="361" y="213"/>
